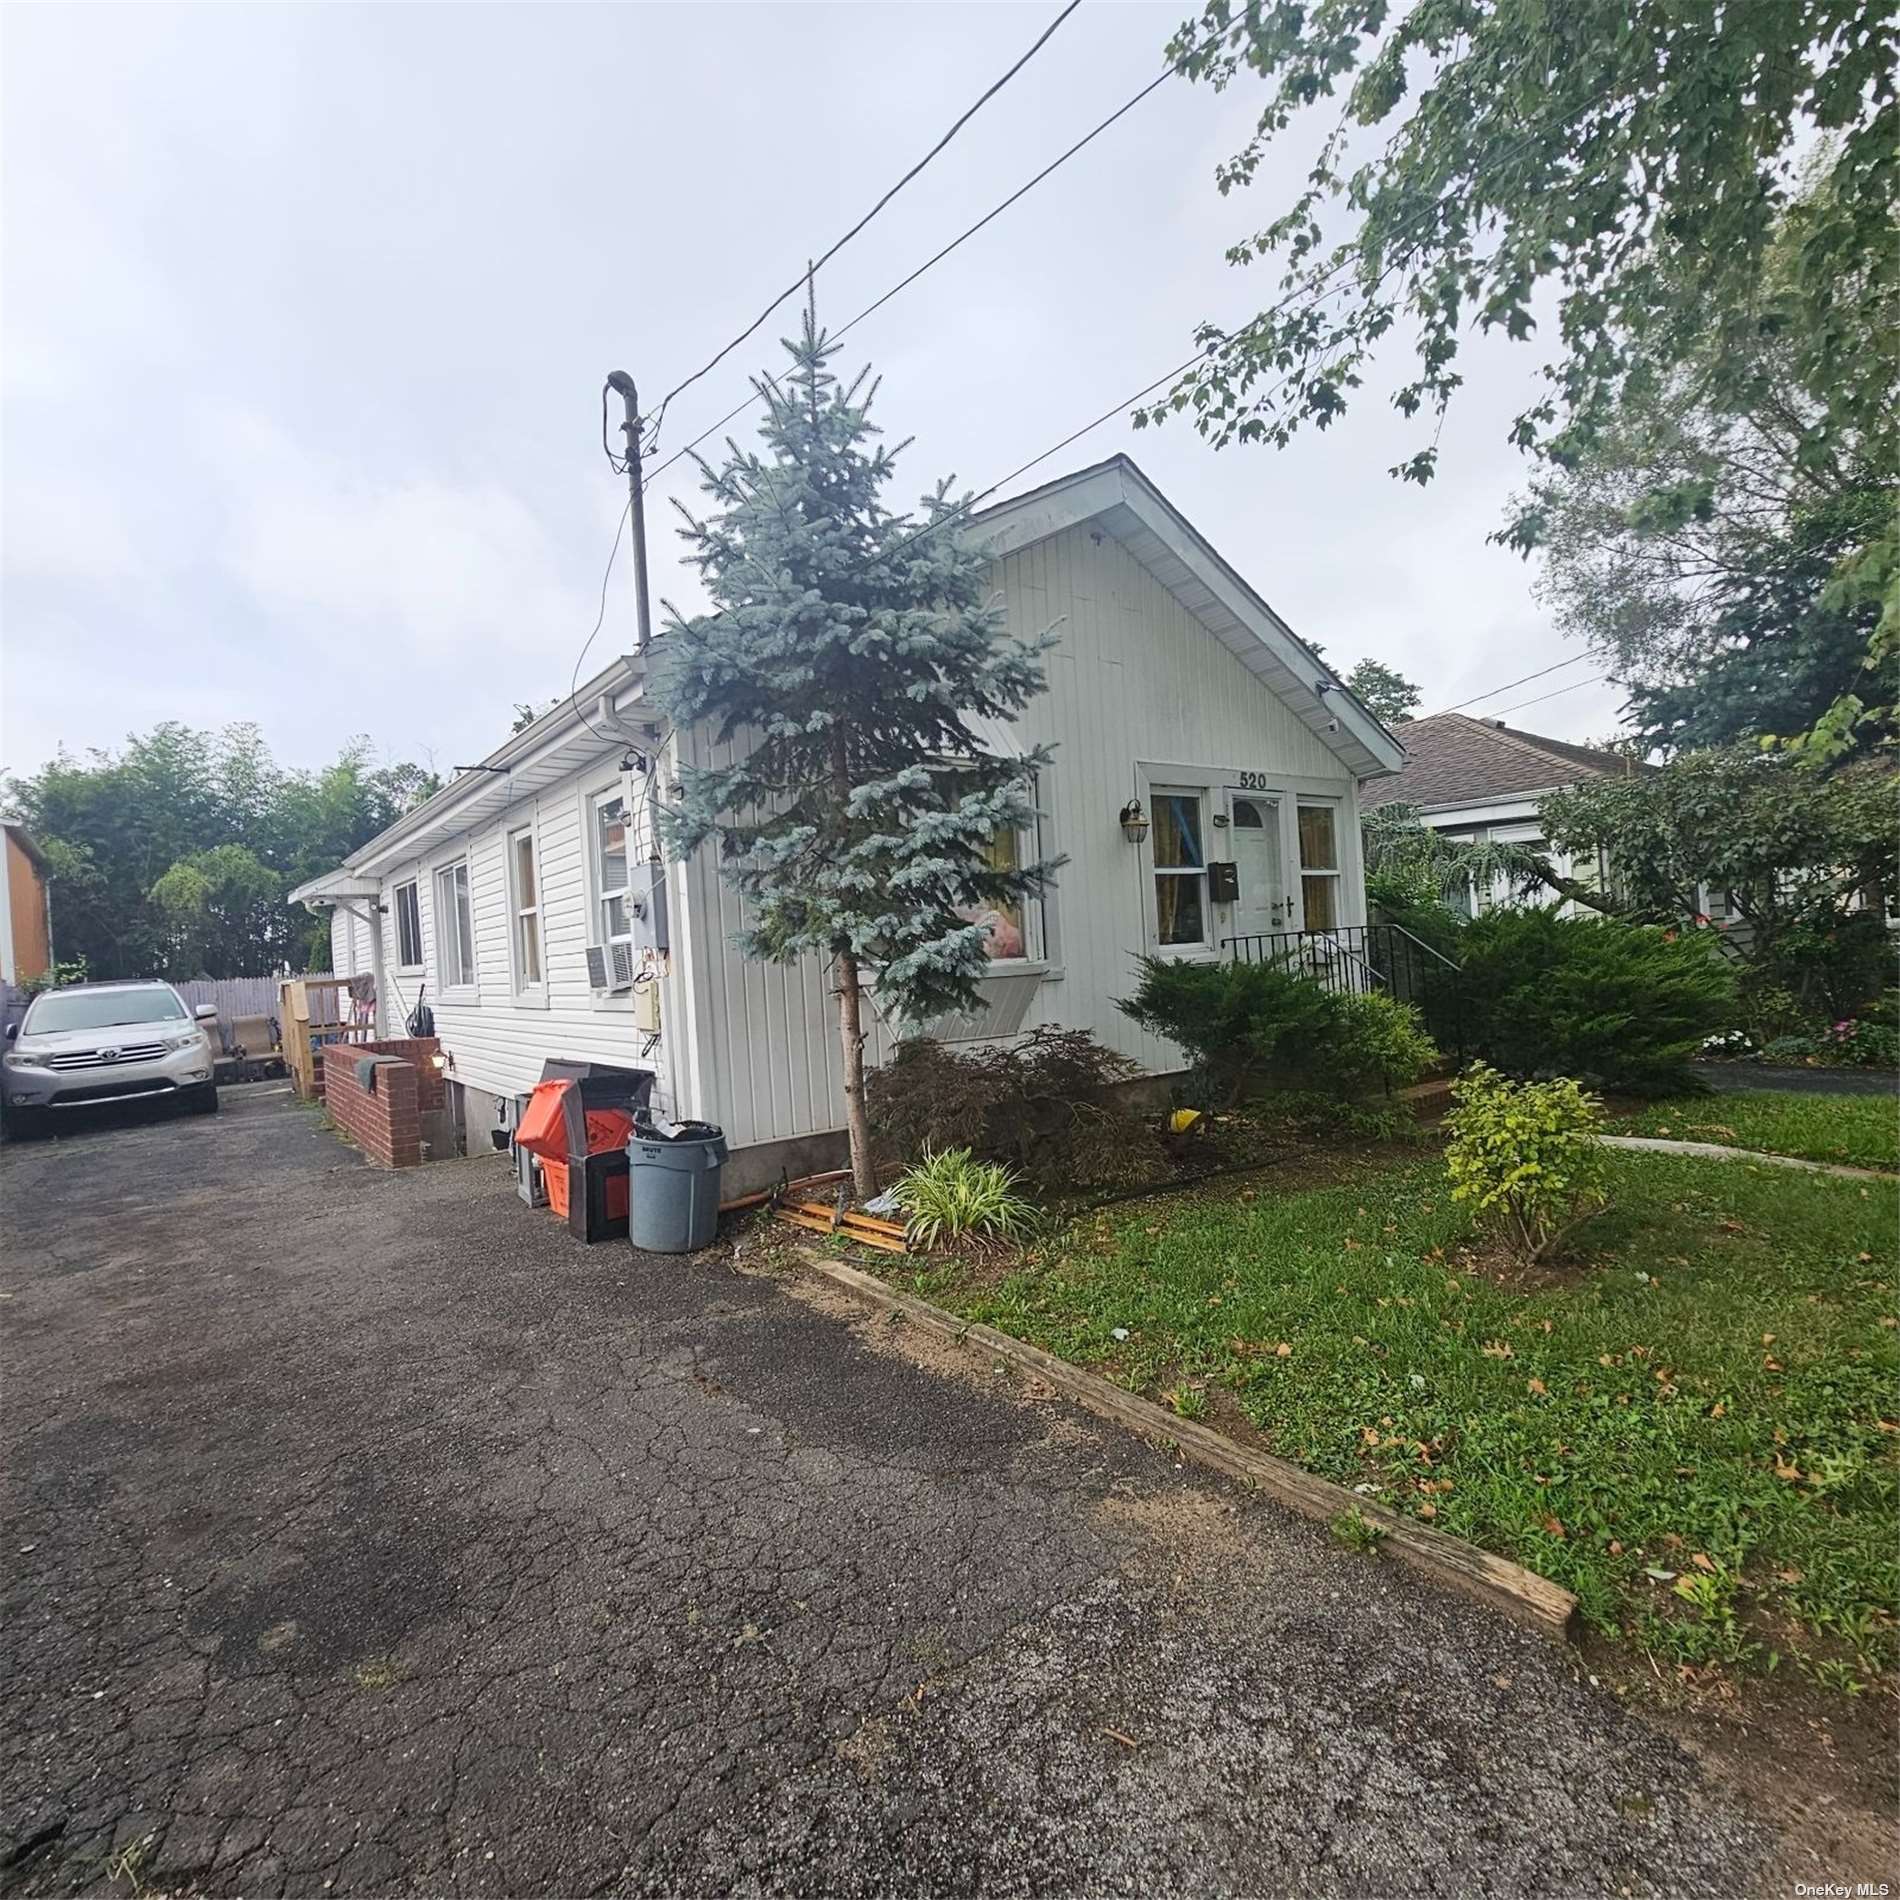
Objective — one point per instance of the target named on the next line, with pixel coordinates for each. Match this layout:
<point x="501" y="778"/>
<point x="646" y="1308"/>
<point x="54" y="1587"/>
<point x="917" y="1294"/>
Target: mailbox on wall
<point x="1223" y="881"/>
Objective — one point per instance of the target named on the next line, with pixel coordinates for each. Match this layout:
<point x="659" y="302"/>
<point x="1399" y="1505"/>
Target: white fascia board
<point x="1093" y="492"/>
<point x="1520" y="808"/>
<point x="334" y="887"/>
<point x="539" y="754"/>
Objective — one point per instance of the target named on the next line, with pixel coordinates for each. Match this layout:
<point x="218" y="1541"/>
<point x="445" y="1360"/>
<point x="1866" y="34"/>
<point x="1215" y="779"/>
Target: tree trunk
<point x="851" y="1035"/>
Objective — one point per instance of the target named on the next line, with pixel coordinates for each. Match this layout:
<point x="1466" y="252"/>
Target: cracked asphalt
<point x="365" y="1535"/>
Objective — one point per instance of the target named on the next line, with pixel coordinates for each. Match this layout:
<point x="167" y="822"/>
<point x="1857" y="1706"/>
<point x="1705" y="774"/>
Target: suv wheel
<point x="204" y="1099"/>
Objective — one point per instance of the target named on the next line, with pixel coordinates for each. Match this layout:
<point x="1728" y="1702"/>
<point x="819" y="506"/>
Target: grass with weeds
<point x="1693" y="1424"/>
<point x="1861" y="1131"/>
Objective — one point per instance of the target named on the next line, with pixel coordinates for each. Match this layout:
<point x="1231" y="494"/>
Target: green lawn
<point x="1697" y="1429"/>
<point x="1860" y="1130"/>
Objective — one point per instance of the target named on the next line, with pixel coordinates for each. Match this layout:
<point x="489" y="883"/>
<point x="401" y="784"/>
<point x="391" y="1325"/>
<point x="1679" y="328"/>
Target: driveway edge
<point x="1718" y="1151"/>
<point x="1521" y="1594"/>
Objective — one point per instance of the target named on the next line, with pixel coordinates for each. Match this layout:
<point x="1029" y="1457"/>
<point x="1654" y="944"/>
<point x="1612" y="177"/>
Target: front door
<point x="1262" y="906"/>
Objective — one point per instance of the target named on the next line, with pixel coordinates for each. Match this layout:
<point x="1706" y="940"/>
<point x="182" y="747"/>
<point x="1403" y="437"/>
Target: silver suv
<point x="106" y="1042"/>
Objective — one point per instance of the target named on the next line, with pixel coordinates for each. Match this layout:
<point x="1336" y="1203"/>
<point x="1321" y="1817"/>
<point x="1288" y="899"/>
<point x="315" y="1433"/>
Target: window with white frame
<point x="454" y="928"/>
<point x="1182" y="920"/>
<point x="1016" y="927"/>
<point x="610" y="851"/>
<point x="524" y="901"/>
<point x="408" y="926"/>
<point x="1319" y="865"/>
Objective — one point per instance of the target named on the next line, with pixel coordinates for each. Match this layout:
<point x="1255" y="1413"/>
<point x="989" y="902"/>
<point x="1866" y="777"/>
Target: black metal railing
<point x="1362" y="958"/>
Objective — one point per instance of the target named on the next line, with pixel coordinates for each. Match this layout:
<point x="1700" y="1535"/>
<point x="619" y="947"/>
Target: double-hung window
<point x="1182" y="921"/>
<point x="408" y="927"/>
<point x="1015" y="926"/>
<point x="454" y="929"/>
<point x="612" y="868"/>
<point x="524" y="902"/>
<point x="1319" y="866"/>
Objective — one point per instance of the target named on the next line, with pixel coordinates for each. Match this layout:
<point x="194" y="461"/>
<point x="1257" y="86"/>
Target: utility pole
<point x="622" y="384"/>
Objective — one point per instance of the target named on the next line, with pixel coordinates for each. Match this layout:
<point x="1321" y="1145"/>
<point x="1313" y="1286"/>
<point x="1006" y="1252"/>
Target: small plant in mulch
<point x="1358" y="1532"/>
<point x="952" y="1197"/>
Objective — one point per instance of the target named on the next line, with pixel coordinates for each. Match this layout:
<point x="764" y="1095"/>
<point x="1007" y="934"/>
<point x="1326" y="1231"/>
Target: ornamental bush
<point x="1525" y="1155"/>
<point x="1048" y="1105"/>
<point x="1254" y="1025"/>
<point x="1622" y="1006"/>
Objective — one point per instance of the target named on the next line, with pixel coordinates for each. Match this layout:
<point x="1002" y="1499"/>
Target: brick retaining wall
<point x="385" y="1123"/>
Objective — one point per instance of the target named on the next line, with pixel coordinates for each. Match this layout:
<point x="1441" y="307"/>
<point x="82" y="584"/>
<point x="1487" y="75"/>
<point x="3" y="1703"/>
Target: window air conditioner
<point x="609" y="967"/>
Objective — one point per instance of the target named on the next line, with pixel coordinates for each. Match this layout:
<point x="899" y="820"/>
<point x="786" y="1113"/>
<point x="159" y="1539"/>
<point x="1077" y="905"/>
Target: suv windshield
<point x="100" y="1009"/>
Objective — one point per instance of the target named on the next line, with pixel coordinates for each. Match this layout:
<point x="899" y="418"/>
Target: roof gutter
<point x="601" y="695"/>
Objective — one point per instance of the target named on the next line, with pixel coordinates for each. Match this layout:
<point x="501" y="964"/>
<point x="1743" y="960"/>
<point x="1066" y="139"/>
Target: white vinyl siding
<point x="1134" y="678"/>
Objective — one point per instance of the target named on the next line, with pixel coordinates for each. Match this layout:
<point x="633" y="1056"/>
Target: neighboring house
<point x="530" y="898"/>
<point x="1479" y="779"/>
<point x="26" y="917"/>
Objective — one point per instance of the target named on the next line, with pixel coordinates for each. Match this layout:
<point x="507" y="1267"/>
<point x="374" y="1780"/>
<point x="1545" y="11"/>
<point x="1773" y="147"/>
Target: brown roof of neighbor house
<point x="24" y="839"/>
<point x="1454" y="759"/>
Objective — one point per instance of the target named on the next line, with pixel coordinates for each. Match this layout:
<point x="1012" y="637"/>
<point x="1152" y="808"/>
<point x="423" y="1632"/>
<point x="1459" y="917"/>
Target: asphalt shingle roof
<point x="1454" y="759"/>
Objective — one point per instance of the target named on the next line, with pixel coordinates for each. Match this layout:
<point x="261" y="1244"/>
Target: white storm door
<point x="1259" y="864"/>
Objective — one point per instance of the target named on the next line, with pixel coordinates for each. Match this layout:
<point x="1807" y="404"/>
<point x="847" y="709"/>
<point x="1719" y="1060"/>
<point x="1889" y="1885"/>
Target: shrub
<point x="1525" y="1155"/>
<point x="1248" y="1025"/>
<point x="954" y="1196"/>
<point x="1863" y="1043"/>
<point x="1619" y="1005"/>
<point x="1047" y="1105"/>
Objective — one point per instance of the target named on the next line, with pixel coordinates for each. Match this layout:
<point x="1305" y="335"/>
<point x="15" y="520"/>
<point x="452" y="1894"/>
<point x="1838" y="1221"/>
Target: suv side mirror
<point x="13" y="1029"/>
<point x="206" y="1012"/>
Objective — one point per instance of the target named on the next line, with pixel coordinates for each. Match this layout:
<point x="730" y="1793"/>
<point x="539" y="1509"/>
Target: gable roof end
<point x="1119" y="498"/>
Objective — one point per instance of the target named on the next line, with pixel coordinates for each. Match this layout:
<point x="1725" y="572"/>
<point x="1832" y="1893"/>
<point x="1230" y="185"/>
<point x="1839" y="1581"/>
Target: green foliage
<point x="1384" y="691"/>
<point x="1624" y="1006"/>
<point x="1857" y="1131"/>
<point x="1525" y="1155"/>
<point x="1048" y="1104"/>
<point x="1606" y="1430"/>
<point x="1799" y="853"/>
<point x="1357" y="1532"/>
<point x="1251" y="1025"/>
<point x="1635" y="165"/>
<point x="219" y="903"/>
<point x="1719" y="564"/>
<point x="171" y="856"/>
<point x="57" y="976"/>
<point x="1412" y="868"/>
<point x="953" y="1196"/>
<point x="848" y="658"/>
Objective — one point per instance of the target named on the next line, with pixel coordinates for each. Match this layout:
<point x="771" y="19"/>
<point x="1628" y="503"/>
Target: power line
<point x="574" y="683"/>
<point x="1576" y="659"/>
<point x="930" y="263"/>
<point x="1596" y="679"/>
<point x="963" y="119"/>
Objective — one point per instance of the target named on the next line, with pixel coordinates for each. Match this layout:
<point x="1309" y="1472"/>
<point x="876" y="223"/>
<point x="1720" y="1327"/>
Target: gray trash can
<point x="673" y="1185"/>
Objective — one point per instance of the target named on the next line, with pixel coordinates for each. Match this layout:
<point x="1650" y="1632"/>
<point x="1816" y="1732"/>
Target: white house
<point x="530" y="899"/>
<point x="1479" y="779"/>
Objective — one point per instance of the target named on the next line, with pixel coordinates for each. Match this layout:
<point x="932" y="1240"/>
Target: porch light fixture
<point x="1134" y="821"/>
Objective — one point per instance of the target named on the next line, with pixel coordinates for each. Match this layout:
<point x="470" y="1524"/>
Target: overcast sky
<point x="306" y="311"/>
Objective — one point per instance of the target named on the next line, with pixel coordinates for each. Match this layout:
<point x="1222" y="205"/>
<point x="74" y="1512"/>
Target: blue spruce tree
<point x="850" y="656"/>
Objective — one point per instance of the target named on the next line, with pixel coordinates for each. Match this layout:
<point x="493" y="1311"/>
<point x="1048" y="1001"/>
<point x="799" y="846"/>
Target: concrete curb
<point x="1521" y="1594"/>
<point x="1716" y="1151"/>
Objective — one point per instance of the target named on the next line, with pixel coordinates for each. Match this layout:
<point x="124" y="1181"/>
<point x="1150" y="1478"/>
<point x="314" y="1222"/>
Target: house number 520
<point x="1253" y="781"/>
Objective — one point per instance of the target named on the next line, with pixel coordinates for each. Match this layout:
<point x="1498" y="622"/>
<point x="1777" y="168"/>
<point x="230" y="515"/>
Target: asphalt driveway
<point x="364" y="1534"/>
